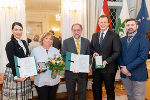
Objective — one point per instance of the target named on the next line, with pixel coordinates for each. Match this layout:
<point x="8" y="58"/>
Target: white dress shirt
<point x="21" y="44"/>
<point x="103" y="34"/>
<point x="76" y="41"/>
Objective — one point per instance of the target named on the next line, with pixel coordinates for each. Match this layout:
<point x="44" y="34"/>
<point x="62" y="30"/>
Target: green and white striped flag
<point x="120" y="27"/>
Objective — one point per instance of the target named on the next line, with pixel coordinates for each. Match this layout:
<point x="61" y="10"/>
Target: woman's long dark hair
<point x="13" y="25"/>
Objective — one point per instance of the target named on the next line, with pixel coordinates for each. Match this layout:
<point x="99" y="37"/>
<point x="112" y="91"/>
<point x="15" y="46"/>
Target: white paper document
<point x="26" y="66"/>
<point x="79" y="63"/>
<point x="99" y="61"/>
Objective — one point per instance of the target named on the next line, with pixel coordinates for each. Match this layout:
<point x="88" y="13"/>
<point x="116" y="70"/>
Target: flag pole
<point x="136" y="4"/>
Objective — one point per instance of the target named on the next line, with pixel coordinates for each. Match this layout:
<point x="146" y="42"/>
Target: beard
<point x="131" y="31"/>
<point x="77" y="36"/>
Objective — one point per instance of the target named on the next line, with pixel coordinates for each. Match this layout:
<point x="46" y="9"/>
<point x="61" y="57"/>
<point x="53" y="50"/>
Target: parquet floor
<point x="119" y="90"/>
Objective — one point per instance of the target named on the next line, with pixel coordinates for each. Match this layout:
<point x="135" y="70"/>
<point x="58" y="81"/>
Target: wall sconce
<point x="9" y="3"/>
<point x="29" y="30"/>
<point x="72" y="6"/>
<point x="57" y="17"/>
<point x="55" y="29"/>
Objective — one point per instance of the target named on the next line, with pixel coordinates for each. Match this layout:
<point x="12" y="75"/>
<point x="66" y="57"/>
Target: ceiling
<point x="44" y="5"/>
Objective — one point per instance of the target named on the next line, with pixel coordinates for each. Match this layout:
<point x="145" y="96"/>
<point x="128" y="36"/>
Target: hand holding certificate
<point x="77" y="63"/>
<point x="25" y="67"/>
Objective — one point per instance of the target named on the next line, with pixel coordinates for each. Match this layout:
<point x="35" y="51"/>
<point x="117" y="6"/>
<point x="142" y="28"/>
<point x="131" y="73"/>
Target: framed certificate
<point x="25" y="67"/>
<point x="99" y="61"/>
<point x="43" y="67"/>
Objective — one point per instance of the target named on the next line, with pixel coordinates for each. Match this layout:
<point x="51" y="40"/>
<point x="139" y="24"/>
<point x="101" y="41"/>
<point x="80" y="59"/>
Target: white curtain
<point x="94" y="10"/>
<point x="73" y="12"/>
<point x="85" y="12"/>
<point x="148" y="6"/>
<point x="10" y="11"/>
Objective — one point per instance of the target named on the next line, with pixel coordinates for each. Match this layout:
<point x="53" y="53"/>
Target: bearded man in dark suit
<point x="106" y="44"/>
<point x="132" y="61"/>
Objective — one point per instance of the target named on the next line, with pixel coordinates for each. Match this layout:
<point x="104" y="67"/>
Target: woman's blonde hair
<point x="44" y="35"/>
<point x="36" y="37"/>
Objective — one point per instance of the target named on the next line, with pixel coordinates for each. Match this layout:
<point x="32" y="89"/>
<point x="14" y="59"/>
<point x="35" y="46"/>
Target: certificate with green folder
<point x="99" y="61"/>
<point x="25" y="67"/>
<point x="77" y="63"/>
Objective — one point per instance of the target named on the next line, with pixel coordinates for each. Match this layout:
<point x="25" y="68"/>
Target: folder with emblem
<point x="25" y="67"/>
<point x="77" y="63"/>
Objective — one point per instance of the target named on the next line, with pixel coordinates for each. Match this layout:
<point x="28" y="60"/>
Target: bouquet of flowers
<point x="56" y="65"/>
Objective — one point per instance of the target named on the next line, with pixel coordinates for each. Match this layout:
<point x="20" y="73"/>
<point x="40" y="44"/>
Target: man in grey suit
<point x="71" y="45"/>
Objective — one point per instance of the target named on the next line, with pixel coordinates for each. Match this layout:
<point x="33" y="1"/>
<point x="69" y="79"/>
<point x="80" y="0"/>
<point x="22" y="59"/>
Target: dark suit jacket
<point x="69" y="45"/>
<point x="14" y="49"/>
<point x="134" y="57"/>
<point x="110" y="50"/>
<point x="57" y="43"/>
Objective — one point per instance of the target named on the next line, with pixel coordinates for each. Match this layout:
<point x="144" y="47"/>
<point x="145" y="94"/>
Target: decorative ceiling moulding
<point x="57" y="17"/>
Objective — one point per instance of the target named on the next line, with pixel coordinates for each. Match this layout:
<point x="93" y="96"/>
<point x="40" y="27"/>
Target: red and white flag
<point x="105" y="11"/>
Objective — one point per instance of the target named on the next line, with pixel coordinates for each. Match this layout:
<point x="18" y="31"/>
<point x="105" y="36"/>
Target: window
<point x="115" y="7"/>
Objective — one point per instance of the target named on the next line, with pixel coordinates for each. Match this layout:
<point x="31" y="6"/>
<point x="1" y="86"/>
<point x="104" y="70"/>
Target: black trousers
<point x="109" y="79"/>
<point x="47" y="92"/>
<point x="76" y="78"/>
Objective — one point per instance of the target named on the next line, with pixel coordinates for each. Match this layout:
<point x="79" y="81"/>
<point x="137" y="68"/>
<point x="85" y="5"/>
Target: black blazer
<point x="57" y="43"/>
<point x="69" y="45"/>
<point x="110" y="50"/>
<point x="14" y="49"/>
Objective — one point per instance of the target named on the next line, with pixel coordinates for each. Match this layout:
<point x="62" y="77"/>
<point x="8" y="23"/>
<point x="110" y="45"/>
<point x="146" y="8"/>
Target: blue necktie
<point x="101" y="39"/>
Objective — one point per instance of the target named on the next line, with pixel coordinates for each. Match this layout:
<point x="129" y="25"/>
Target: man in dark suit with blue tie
<point x="77" y="45"/>
<point x="134" y="52"/>
<point x="106" y="44"/>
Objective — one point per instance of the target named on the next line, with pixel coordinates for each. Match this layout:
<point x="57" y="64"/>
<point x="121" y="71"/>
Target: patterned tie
<point x="101" y="39"/>
<point x="129" y="40"/>
<point x="78" y="46"/>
